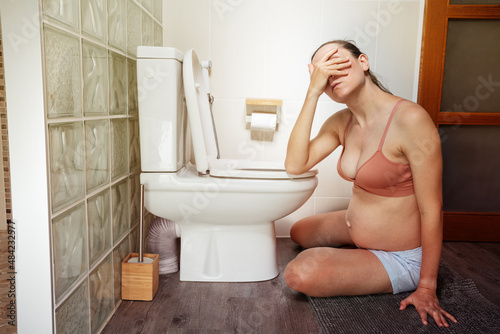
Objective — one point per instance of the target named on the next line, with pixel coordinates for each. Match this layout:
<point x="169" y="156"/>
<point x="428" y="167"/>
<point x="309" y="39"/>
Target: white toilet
<point x="225" y="208"/>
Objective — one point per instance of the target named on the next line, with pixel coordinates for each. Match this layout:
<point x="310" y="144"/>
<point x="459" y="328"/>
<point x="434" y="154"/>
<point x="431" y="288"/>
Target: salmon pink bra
<point x="378" y="175"/>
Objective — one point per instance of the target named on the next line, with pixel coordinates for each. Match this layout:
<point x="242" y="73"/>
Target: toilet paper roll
<point x="263" y="122"/>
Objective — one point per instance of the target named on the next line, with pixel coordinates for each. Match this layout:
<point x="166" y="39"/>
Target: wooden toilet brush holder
<point x="140" y="280"/>
<point x="140" y="272"/>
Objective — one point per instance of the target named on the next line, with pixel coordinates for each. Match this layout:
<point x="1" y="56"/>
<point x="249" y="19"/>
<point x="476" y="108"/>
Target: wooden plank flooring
<point x="268" y="307"/>
<point x="479" y="261"/>
<point x="190" y="307"/>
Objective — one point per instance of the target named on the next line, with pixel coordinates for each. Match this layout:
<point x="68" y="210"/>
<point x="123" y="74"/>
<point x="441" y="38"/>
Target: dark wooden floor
<point x="268" y="307"/>
<point x="479" y="261"/>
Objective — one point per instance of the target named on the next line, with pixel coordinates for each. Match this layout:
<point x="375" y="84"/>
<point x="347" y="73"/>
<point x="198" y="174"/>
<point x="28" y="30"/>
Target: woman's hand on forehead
<point x="330" y="54"/>
<point x="329" y="65"/>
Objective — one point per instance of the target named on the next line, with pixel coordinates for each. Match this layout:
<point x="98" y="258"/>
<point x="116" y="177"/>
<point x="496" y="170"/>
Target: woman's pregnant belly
<point x="383" y="223"/>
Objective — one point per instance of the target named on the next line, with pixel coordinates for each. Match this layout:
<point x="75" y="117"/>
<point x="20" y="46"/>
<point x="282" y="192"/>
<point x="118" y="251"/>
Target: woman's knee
<point x="295" y="232"/>
<point x="294" y="277"/>
<point x="300" y="232"/>
<point x="326" y="229"/>
<point x="302" y="273"/>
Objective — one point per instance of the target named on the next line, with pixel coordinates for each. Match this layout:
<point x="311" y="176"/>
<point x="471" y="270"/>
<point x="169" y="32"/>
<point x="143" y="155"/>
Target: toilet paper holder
<point x="262" y="107"/>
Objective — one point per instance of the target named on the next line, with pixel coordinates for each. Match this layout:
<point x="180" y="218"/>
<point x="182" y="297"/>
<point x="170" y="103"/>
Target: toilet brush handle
<point x="141" y="226"/>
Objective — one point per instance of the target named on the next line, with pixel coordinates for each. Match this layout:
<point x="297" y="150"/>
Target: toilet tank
<point x="163" y="127"/>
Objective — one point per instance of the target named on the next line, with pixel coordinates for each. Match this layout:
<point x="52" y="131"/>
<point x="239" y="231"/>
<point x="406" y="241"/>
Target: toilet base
<point x="228" y="253"/>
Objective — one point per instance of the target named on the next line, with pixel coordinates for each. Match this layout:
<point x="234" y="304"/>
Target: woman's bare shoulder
<point x="335" y="124"/>
<point x="415" y="127"/>
<point x="339" y="118"/>
<point x="413" y="116"/>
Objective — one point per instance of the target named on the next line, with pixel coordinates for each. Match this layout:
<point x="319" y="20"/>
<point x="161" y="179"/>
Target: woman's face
<point x="340" y="87"/>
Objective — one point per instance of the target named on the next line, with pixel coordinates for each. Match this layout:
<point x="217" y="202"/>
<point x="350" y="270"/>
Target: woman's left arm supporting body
<point x="422" y="147"/>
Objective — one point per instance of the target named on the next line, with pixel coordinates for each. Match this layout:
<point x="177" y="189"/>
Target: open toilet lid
<point x="199" y="113"/>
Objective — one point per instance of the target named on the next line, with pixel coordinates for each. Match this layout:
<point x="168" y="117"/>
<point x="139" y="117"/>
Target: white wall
<point x="261" y="48"/>
<point x="28" y="165"/>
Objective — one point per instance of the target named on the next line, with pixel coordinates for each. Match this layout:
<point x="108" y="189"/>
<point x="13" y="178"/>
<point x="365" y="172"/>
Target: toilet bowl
<point x="225" y="208"/>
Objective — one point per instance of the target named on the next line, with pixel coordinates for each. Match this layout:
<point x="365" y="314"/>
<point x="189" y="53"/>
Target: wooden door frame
<point x="458" y="226"/>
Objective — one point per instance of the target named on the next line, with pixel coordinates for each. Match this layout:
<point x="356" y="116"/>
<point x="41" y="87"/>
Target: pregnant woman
<point x="392" y="154"/>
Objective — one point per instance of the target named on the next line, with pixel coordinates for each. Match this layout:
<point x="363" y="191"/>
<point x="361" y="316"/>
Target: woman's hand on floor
<point x="426" y="302"/>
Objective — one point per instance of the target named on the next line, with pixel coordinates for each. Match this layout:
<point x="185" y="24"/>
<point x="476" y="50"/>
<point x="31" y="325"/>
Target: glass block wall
<point x="89" y="49"/>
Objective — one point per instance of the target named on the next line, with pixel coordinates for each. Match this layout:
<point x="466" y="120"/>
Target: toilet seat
<point x="243" y="169"/>
<point x="205" y="147"/>
<point x="187" y="179"/>
<point x="258" y="174"/>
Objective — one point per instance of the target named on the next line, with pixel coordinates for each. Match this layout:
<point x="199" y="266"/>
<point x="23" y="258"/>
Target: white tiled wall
<point x="261" y="48"/>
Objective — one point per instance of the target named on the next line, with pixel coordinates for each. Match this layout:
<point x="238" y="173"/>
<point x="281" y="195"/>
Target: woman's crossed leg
<point x="323" y="270"/>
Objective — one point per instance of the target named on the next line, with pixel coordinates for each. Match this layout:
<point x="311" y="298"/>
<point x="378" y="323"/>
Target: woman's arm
<point x="422" y="147"/>
<point x="303" y="153"/>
